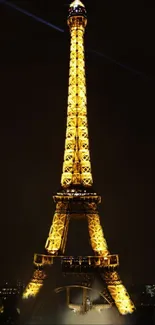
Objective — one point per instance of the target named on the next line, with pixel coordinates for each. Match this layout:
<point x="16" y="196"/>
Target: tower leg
<point x="36" y="283"/>
<point x="58" y="233"/>
<point x="115" y="287"/>
<point x="97" y="239"/>
<point x="118" y="292"/>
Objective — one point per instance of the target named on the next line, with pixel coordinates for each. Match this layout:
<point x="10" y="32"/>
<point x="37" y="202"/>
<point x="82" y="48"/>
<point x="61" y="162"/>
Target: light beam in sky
<point x="59" y="29"/>
<point x="118" y="63"/>
<point x="27" y="13"/>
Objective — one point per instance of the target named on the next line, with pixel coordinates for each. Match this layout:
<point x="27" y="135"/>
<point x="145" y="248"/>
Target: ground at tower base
<point x="12" y="311"/>
<point x="58" y="313"/>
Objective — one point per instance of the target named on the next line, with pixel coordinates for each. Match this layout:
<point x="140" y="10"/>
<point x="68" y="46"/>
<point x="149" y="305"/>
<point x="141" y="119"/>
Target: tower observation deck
<point x="76" y="198"/>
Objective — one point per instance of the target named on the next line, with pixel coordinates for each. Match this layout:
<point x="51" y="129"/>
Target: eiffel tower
<point x="77" y="199"/>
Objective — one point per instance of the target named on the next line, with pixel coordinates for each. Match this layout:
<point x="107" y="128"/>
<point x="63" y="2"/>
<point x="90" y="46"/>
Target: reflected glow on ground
<point x="105" y="317"/>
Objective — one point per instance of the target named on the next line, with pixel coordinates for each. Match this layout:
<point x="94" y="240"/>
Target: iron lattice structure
<point x="76" y="197"/>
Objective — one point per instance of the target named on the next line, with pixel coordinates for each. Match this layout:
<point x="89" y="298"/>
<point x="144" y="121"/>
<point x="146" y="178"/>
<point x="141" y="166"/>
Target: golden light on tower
<point x="77" y="166"/>
<point x="76" y="180"/>
<point x="35" y="284"/>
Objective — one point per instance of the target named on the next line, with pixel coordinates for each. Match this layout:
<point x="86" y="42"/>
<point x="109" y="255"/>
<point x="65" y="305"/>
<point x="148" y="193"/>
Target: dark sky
<point x="34" y="60"/>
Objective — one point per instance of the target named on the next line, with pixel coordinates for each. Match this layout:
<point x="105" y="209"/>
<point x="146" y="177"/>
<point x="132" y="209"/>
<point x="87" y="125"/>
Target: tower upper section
<point x="77" y="166"/>
<point x="77" y="8"/>
<point x="77" y="13"/>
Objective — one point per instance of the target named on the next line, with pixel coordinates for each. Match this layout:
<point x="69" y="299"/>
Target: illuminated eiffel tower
<point x="77" y="199"/>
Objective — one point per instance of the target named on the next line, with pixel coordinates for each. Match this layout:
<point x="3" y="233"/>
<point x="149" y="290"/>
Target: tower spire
<point x="76" y="3"/>
<point x="76" y="165"/>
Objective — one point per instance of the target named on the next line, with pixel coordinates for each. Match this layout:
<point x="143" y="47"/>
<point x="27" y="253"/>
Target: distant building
<point x="150" y="290"/>
<point x="144" y="299"/>
<point x="9" y="296"/>
<point x="143" y="295"/>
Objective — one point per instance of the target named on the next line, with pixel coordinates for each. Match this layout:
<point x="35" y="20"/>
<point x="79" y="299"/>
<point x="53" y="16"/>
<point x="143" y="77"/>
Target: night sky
<point x="34" y="61"/>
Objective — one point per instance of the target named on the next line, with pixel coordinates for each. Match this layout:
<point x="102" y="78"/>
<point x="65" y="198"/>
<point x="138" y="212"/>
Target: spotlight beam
<point x="124" y="66"/>
<point x="27" y="13"/>
<point x="100" y="54"/>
